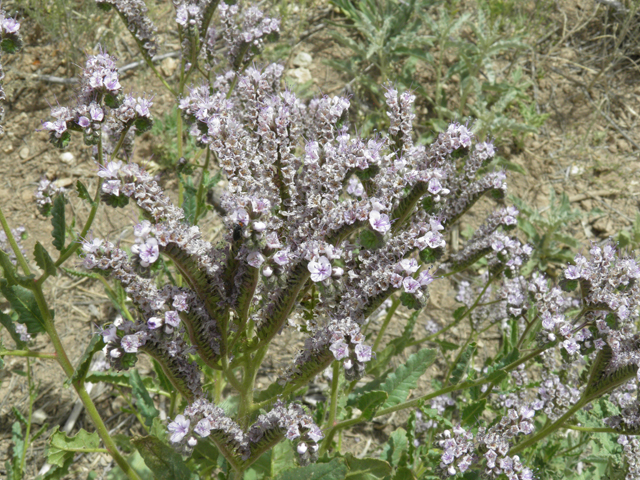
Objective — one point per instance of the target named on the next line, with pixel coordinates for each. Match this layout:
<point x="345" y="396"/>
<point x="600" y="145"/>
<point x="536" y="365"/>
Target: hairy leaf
<point x="471" y="413"/>
<point x="334" y="470"/>
<point x="369" y="402"/>
<point x="463" y="364"/>
<point x="144" y="403"/>
<point x="63" y="447"/>
<point x="83" y="193"/>
<point x="367" y="468"/>
<point x="58" y="222"/>
<point x="7" y="322"/>
<point x="23" y="301"/>
<point x="400" y="382"/>
<point x="164" y="461"/>
<point x="44" y="261"/>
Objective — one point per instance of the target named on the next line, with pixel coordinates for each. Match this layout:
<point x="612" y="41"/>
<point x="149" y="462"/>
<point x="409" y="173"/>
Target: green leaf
<point x="144" y="403"/>
<point x="367" y="468"/>
<point x="471" y="413"/>
<point x="83" y="193"/>
<point x="137" y="463"/>
<point x="23" y="301"/>
<point x="7" y="322"/>
<point x="400" y="382"/>
<point x="404" y="473"/>
<point x="44" y="261"/>
<point x="18" y="441"/>
<point x="447" y="346"/>
<point x="371" y="240"/>
<point x="334" y="470"/>
<point x="58" y="222"/>
<point x="369" y="402"/>
<point x="394" y="449"/>
<point x="459" y="312"/>
<point x="95" y="345"/>
<point x="8" y="268"/>
<point x="164" y="461"/>
<point x="62" y="447"/>
<point x="463" y="364"/>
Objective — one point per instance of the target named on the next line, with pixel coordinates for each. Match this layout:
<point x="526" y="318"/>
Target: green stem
<point x="27" y="434"/>
<point x="27" y="353"/>
<point x="335" y="381"/>
<point x="599" y="430"/>
<point x="385" y="324"/>
<point x="550" y="429"/>
<point x="456" y="322"/>
<point x="14" y="245"/>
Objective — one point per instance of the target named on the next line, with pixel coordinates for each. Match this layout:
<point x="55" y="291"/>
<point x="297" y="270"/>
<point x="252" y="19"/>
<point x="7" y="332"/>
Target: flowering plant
<point x="325" y="235"/>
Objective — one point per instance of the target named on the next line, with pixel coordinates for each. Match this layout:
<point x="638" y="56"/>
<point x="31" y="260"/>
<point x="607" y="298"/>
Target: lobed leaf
<point x="58" y="222"/>
<point x="164" y="461"/>
<point x="404" y="379"/>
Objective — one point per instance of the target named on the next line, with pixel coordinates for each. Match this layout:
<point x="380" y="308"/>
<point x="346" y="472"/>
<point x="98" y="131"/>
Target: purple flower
<point x="363" y="352"/>
<point x="97" y="114"/>
<point x="320" y="269"/>
<point x="10" y="25"/>
<point x="293" y="432"/>
<point x="131" y="343"/>
<point x="315" y="433"/>
<point x="180" y="302"/>
<point x="154" y="322"/>
<point x="178" y="428"/>
<point x="148" y="252"/>
<point x="110" y="170"/>
<point x="84" y="122"/>
<point x="255" y="259"/>
<point x="203" y="428"/>
<point x="22" y="331"/>
<point x="109" y="334"/>
<point x="410" y="285"/>
<point x="425" y="278"/>
<point x="409" y="265"/>
<point x="434" y="186"/>
<point x="240" y="216"/>
<point x="339" y="349"/>
<point x="379" y="221"/>
<point x="111" y="187"/>
<point x="93" y="246"/>
<point x="172" y="318"/>
<point x="59" y="127"/>
<point x="272" y="240"/>
<point x="572" y="272"/>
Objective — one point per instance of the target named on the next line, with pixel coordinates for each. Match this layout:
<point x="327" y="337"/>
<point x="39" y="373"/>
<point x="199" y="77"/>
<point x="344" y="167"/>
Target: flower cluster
<point x="10" y="42"/>
<point x="134" y="13"/>
<point x="460" y="448"/>
<point x="244" y="32"/>
<point x="45" y="194"/>
<point x="101" y="107"/>
<point x="202" y="419"/>
<point x="5" y="247"/>
<point x="631" y="450"/>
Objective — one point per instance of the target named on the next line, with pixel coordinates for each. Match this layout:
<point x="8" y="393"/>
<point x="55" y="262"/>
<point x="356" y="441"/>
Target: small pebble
<point x="24" y="153"/>
<point x="39" y="416"/>
<point x="67" y="157"/>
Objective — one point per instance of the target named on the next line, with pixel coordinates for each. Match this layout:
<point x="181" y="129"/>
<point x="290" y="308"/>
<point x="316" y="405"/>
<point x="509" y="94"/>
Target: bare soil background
<point x="588" y="148"/>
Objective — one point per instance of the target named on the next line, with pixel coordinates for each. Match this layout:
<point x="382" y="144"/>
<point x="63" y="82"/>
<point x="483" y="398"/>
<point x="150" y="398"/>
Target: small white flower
<point x="320" y="269"/>
<point x="379" y="221"/>
<point x="179" y="428"/>
<point x="255" y="259"/>
<point x="148" y="252"/>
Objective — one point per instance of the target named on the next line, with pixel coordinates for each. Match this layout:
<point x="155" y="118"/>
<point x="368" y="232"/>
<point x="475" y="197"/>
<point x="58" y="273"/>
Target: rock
<point x="64" y="182"/>
<point x="39" y="416"/>
<point x="576" y="170"/>
<point x="8" y="149"/>
<point x="27" y="195"/>
<point x="67" y="157"/>
<point x="24" y="153"/>
<point x="169" y="66"/>
<point x="300" y="75"/>
<point x="302" y="59"/>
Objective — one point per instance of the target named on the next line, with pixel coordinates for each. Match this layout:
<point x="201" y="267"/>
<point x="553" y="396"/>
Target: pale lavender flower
<point x="131" y="343"/>
<point x="379" y="221"/>
<point x="255" y="259"/>
<point x="410" y="285"/>
<point x="22" y="331"/>
<point x="179" y="428"/>
<point x="339" y="349"/>
<point x="363" y="352"/>
<point x="110" y="170"/>
<point x="172" y="318"/>
<point x="320" y="269"/>
<point x="10" y="25"/>
<point x="409" y="265"/>
<point x="148" y="252"/>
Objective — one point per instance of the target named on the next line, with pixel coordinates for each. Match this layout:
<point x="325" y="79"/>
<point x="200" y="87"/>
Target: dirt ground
<point x="588" y="148"/>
